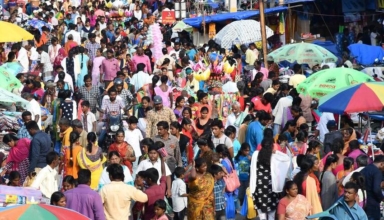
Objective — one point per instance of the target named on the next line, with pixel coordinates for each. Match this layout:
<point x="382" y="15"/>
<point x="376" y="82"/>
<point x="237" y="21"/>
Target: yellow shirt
<point x="117" y="197"/>
<point x="65" y="141"/>
<point x="296" y="80"/>
<point x="111" y="84"/>
<point x="250" y="57"/>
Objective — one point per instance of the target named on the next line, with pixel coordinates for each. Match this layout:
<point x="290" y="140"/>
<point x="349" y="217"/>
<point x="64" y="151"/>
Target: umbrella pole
<point x="263" y="32"/>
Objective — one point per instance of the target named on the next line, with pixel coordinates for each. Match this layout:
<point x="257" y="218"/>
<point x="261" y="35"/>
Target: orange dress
<point x="71" y="170"/>
<point x="123" y="149"/>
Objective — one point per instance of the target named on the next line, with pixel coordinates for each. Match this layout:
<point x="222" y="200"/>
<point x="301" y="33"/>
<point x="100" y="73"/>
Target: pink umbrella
<point x="99" y="12"/>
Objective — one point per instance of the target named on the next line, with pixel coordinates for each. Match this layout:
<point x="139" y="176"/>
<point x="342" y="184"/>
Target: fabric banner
<point x="353" y="6"/>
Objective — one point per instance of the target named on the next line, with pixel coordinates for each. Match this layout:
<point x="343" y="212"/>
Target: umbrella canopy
<point x="326" y="81"/>
<point x="356" y="98"/>
<point x="181" y="26"/>
<point x="303" y="53"/>
<point x="12" y="67"/>
<point x="38" y="24"/>
<point x="13" y="32"/>
<point x="40" y="211"/>
<point x="8" y="98"/>
<point x="8" y="80"/>
<point x="241" y="32"/>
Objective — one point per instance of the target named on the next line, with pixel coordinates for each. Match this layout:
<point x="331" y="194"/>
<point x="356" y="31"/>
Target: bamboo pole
<point x="263" y="32"/>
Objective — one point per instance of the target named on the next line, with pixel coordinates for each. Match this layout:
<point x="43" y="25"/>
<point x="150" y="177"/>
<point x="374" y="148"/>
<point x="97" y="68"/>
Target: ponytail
<point x="73" y="137"/>
<point x="91" y="138"/>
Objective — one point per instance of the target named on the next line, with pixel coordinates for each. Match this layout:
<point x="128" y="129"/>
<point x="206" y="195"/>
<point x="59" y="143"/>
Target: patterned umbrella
<point x="38" y="24"/>
<point x="13" y="67"/>
<point x="240" y="32"/>
<point x="8" y="80"/>
<point x="40" y="211"/>
<point x="303" y="53"/>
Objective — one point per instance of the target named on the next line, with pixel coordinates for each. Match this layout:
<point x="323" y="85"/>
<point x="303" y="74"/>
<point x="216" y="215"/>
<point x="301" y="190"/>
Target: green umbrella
<point x="303" y="53"/>
<point x="8" y="80"/>
<point x="325" y="81"/>
<point x="181" y="26"/>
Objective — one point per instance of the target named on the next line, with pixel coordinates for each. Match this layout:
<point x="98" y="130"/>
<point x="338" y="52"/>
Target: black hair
<point x="155" y="79"/>
<point x="85" y="103"/>
<point x="161" y="204"/>
<point x="191" y="100"/>
<point x="268" y="133"/>
<point x="186" y="121"/>
<point x="249" y="117"/>
<point x="348" y="163"/>
<point x="158" y="145"/>
<point x="305" y="166"/>
<point x="313" y="144"/>
<point x="25" y="114"/>
<point x="199" y="162"/>
<point x="362" y="160"/>
<point x="215" y="169"/>
<point x="264" y="157"/>
<point x="217" y="123"/>
<point x="243" y="147"/>
<point x="303" y="127"/>
<point x="201" y="95"/>
<point x="263" y="116"/>
<point x="84" y="176"/>
<point x="179" y="99"/>
<point x="87" y="77"/>
<point x="176" y="125"/>
<point x="91" y="138"/>
<point x="9" y="137"/>
<point x="287" y="186"/>
<point x="70" y="179"/>
<point x="221" y="148"/>
<point x="163" y="124"/>
<point x="354" y="144"/>
<point x="179" y="171"/>
<point x="147" y="141"/>
<point x="132" y="120"/>
<point x="13" y="175"/>
<point x="56" y="196"/>
<point x="204" y="108"/>
<point x="188" y="109"/>
<point x="113" y="153"/>
<point x="352" y="185"/>
<point x="360" y="182"/>
<point x="73" y="137"/>
<point x="32" y="125"/>
<point x="152" y="174"/>
<point x="268" y="97"/>
<point x="333" y="158"/>
<point x="116" y="171"/>
<point x="337" y="146"/>
<point x="51" y="156"/>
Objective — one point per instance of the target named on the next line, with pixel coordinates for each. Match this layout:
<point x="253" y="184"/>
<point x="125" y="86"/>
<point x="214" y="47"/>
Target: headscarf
<point x="60" y="56"/>
<point x="20" y="151"/>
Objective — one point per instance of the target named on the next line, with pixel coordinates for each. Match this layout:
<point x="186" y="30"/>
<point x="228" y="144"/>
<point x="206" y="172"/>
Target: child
<point x="160" y="207"/>
<point x="133" y="137"/>
<point x="216" y="161"/>
<point x="300" y="145"/>
<point x="282" y="140"/>
<point x="14" y="178"/>
<point x="219" y="187"/>
<point x="144" y="105"/>
<point x="242" y="164"/>
<point x="179" y="194"/>
<point x="69" y="183"/>
<point x="88" y="119"/>
<point x="348" y="167"/>
<point x="137" y="208"/>
<point x="145" y="143"/>
<point x="67" y="106"/>
<point x="58" y="199"/>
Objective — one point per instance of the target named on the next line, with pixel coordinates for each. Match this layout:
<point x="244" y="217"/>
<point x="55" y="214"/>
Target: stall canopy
<point x="296" y="1"/>
<point x="196" y="22"/>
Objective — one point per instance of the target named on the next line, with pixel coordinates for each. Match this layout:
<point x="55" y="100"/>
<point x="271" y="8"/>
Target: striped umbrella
<point x="356" y="98"/>
<point x="39" y="212"/>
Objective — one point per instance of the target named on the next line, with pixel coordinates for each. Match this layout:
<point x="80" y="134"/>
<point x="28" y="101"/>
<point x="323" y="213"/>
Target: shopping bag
<point x="230" y="209"/>
<point x="251" y="214"/>
<point x="244" y="209"/>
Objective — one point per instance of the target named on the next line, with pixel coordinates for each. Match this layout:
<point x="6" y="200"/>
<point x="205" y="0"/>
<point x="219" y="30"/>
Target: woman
<point x="355" y="151"/>
<point x="328" y="182"/>
<point x="292" y="206"/>
<point x="200" y="196"/>
<point x="53" y="49"/>
<point x="243" y="127"/>
<point x="179" y="106"/>
<point x="91" y="158"/>
<point x="203" y="122"/>
<point x="308" y="184"/>
<point x="289" y="130"/>
<point x="349" y="135"/>
<point x="125" y="150"/>
<point x="84" y="62"/>
<point x="86" y="29"/>
<point x="202" y="99"/>
<point x="90" y="92"/>
<point x="71" y="166"/>
<point x="347" y="169"/>
<point x="187" y="130"/>
<point x="58" y="199"/>
<point x="298" y="116"/>
<point x="337" y="149"/>
<point x="114" y="158"/>
<point x="60" y="57"/>
<point x="185" y="142"/>
<point x="165" y="92"/>
<point x="96" y="66"/>
<point x="17" y="159"/>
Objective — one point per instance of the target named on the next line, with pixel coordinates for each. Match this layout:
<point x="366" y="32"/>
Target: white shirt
<point x="278" y="111"/>
<point x="179" y="188"/>
<point x="322" y="126"/>
<point x="45" y="59"/>
<point x="91" y="118"/>
<point x="222" y="140"/>
<point x="67" y="79"/>
<point x="76" y="36"/>
<point x="46" y="181"/>
<point x="140" y="79"/>
<point x="133" y="138"/>
<point x="146" y="164"/>
<point x="102" y="26"/>
<point x="22" y="57"/>
<point x="34" y="108"/>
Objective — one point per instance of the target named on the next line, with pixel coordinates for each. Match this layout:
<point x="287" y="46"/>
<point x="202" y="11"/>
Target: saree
<point x="311" y="191"/>
<point x="71" y="170"/>
<point x="19" y="152"/>
<point x="123" y="149"/>
<point x="201" y="198"/>
<point x="297" y="209"/>
<point x="96" y="167"/>
<point x="346" y="150"/>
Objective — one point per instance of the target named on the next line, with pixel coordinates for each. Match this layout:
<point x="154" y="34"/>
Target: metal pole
<point x="263" y="32"/>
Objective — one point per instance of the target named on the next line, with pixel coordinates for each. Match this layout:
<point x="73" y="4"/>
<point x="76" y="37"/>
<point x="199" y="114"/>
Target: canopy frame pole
<point x="263" y="32"/>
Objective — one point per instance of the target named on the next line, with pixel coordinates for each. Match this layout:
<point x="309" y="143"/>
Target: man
<point x="362" y="161"/>
<point x="278" y="112"/>
<point x="140" y="78"/>
<point x="159" y="113"/>
<point x="298" y="77"/>
<point x="252" y="47"/>
<point x="45" y="64"/>
<point x="264" y="103"/>
<point x="74" y="33"/>
<point x="349" y="202"/>
<point x="140" y="57"/>
<point x="46" y="179"/>
<point x="117" y="196"/>
<point x="171" y="145"/>
<point x="259" y="68"/>
<point x="22" y="56"/>
<point x="34" y="108"/>
<point x="109" y="68"/>
<point x="23" y="132"/>
<point x="78" y="127"/>
<point x="236" y="117"/>
<point x="70" y="43"/>
<point x="122" y="94"/>
<point x="272" y="66"/>
<point x="250" y="56"/>
<point x="21" y="78"/>
<point x="219" y="137"/>
<point x="332" y="135"/>
<point x="65" y="131"/>
<point x="40" y="146"/>
<point x="267" y="83"/>
<point x="110" y="33"/>
<point x="92" y="46"/>
<point x="373" y="185"/>
<point x="255" y="130"/>
<point x="83" y="199"/>
<point x="102" y="23"/>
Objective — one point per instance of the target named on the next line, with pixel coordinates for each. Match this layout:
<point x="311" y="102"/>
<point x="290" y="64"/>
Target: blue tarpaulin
<point x="196" y="22"/>
<point x="296" y="1"/>
<point x="329" y="45"/>
<point x="366" y="54"/>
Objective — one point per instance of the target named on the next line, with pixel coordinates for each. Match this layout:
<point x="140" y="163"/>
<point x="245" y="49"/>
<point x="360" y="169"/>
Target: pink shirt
<point x="164" y="95"/>
<point x="265" y="72"/>
<point x="110" y="67"/>
<point x="142" y="59"/>
<point x="97" y="61"/>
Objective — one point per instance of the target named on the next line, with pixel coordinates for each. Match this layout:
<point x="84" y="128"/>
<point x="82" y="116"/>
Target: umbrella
<point x="355" y="98"/>
<point x="240" y="32"/>
<point x="326" y="81"/>
<point x="181" y="26"/>
<point x="303" y="53"/>
<point x="8" y="80"/>
<point x="8" y="98"/>
<point x="99" y="12"/>
<point x="13" y="67"/>
<point x="13" y="33"/>
<point x="40" y="211"/>
<point x="38" y="24"/>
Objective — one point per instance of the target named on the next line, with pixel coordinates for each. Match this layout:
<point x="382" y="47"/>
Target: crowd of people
<point x="178" y="152"/>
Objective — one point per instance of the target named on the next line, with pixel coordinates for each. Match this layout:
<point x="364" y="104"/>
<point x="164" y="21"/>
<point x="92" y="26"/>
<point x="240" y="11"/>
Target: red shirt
<point x="260" y="106"/>
<point x="154" y="193"/>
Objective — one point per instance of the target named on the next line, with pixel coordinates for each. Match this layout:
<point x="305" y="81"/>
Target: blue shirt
<point x="23" y="133"/>
<point x="254" y="135"/>
<point x="111" y="36"/>
<point x="373" y="178"/>
<point x="236" y="147"/>
<point x="40" y="146"/>
<point x="243" y="168"/>
<point x="356" y="211"/>
<point x="218" y="189"/>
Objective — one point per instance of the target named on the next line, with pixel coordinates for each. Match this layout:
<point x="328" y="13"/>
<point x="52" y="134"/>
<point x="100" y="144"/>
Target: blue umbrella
<point x="38" y="24"/>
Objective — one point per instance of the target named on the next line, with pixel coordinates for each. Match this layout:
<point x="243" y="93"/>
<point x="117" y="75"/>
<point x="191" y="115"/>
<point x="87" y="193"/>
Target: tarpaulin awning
<point x="240" y="15"/>
<point x="297" y="1"/>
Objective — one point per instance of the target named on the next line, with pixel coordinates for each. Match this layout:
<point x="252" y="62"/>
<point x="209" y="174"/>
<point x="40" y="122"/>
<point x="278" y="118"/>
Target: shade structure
<point x="303" y="53"/>
<point x="356" y="98"/>
<point x="241" y="32"/>
<point x="326" y="81"/>
<point x="8" y="98"/>
<point x="13" y="33"/>
<point x="38" y="24"/>
<point x="13" y="67"/>
<point x="8" y="80"/>
<point x="181" y="26"/>
<point x="40" y="212"/>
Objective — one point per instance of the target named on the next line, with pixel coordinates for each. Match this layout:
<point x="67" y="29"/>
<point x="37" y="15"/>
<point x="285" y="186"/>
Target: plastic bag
<point x="230" y="210"/>
<point x="169" y="208"/>
<point x="244" y="209"/>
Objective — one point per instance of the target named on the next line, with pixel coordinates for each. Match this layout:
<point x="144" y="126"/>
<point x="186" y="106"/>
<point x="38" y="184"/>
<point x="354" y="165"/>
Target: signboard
<point x="380" y="4"/>
<point x="168" y="17"/>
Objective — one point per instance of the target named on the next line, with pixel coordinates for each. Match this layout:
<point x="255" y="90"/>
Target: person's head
<point x="362" y="160"/>
<point x="112" y="93"/>
<point x="84" y="177"/>
<point x="162" y="128"/>
<point x="91" y="139"/>
<point x="160" y="207"/>
<point x="187" y="112"/>
<point x="69" y="182"/>
<point x="354" y="145"/>
<point x="58" y="199"/>
<point x="132" y="123"/>
<point x="276" y="84"/>
<point x="347" y="133"/>
<point x="204" y="112"/>
<point x="175" y="128"/>
<point x="14" y="178"/>
<point x="52" y="159"/>
<point x="64" y="124"/>
<point x="180" y="102"/>
<point x="158" y="102"/>
<point x="282" y="140"/>
<point x="245" y="149"/>
<point x="201" y="165"/>
<point x="203" y="145"/>
<point x="179" y="172"/>
<point x="331" y="125"/>
<point x="230" y="132"/>
<point x="350" y="192"/>
<point x="151" y="176"/>
<point x="153" y="154"/>
<point x="337" y="146"/>
<point x="120" y="135"/>
<point x="379" y="162"/>
<point x="330" y="162"/>
<point x="296" y="111"/>
<point x="145" y="144"/>
<point x="264" y="117"/>
<point x="236" y="108"/>
<point x="202" y="98"/>
<point x="217" y="127"/>
<point x="216" y="171"/>
<point x="145" y="102"/>
<point x="297" y="68"/>
<point x="290" y="189"/>
<point x="10" y="140"/>
<point x="116" y="172"/>
<point x="85" y="105"/>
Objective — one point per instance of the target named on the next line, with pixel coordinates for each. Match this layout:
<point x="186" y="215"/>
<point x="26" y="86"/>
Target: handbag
<point x="232" y="181"/>
<point x="251" y="212"/>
